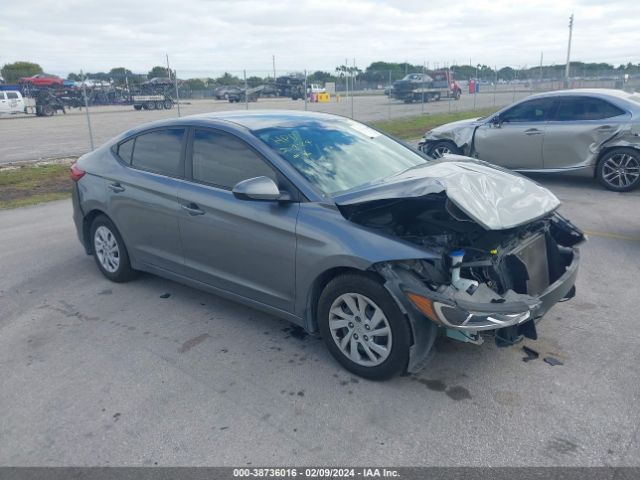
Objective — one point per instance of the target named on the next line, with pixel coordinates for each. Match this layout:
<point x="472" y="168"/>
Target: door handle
<point x="192" y="209"/>
<point x="116" y="187"/>
<point x="605" y="128"/>
<point x="533" y="131"/>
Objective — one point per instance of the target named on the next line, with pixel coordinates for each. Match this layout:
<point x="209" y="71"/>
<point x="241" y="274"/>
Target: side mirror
<point x="259" y="188"/>
<point x="496" y="121"/>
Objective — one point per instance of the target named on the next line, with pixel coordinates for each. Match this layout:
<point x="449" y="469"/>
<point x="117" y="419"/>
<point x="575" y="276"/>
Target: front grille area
<point x="532" y="254"/>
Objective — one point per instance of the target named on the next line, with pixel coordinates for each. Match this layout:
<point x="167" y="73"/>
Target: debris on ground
<point x="531" y="354"/>
<point x="552" y="361"/>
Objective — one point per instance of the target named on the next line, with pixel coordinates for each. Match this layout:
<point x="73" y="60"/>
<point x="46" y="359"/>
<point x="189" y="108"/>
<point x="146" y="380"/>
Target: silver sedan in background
<point x="594" y="132"/>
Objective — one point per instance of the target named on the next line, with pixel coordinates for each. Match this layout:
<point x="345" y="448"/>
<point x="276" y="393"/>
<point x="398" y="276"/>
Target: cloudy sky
<point x="206" y="37"/>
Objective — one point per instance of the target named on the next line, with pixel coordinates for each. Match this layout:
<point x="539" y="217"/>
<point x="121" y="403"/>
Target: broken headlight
<point x="459" y="319"/>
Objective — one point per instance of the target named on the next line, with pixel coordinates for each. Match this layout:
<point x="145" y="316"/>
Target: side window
<point x="224" y="160"/>
<point x="159" y="151"/>
<point x="1" y="95"/>
<point x="585" y="108"/>
<point x="532" y="111"/>
<point x="12" y="95"/>
<point x="125" y="149"/>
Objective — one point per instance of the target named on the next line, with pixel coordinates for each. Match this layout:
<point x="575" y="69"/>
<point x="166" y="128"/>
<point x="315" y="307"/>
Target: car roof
<point x="251" y="120"/>
<point x="242" y="119"/>
<point x="257" y="119"/>
<point x="618" y="97"/>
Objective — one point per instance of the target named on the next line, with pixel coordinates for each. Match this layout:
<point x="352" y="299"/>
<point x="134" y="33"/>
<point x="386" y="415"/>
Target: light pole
<point x="566" y="68"/>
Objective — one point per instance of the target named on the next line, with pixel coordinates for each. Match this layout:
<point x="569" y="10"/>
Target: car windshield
<point x="338" y="155"/>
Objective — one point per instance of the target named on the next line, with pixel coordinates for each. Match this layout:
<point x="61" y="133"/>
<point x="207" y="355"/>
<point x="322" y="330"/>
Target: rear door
<point x="515" y="141"/>
<point x="578" y="125"/>
<point x="246" y="247"/>
<point x="144" y="196"/>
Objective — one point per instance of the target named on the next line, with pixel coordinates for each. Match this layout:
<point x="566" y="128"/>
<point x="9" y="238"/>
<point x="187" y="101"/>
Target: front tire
<point x="619" y="169"/>
<point x="363" y="327"/>
<point x="109" y="250"/>
<point x="442" y="147"/>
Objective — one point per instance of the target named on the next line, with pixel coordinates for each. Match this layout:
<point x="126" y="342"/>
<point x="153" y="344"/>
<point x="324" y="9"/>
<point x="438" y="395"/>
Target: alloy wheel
<point x="438" y="152"/>
<point x="360" y="329"/>
<point x="621" y="170"/>
<point x="106" y="249"/>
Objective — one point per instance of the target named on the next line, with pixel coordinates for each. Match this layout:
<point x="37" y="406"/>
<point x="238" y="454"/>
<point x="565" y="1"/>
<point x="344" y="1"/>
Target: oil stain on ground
<point x="189" y="344"/>
<point x="296" y="332"/>
<point x="456" y="392"/>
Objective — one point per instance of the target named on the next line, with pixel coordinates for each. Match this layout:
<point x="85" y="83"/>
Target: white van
<point x="11" y="102"/>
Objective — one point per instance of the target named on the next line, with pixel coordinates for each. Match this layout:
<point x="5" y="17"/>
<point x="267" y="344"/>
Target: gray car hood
<point x="493" y="197"/>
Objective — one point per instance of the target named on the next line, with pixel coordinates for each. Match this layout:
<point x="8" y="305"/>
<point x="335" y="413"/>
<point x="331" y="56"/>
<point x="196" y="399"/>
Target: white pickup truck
<point x="11" y="102"/>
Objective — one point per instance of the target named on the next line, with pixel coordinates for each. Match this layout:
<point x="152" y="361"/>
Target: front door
<point x="246" y="247"/>
<point x="515" y="139"/>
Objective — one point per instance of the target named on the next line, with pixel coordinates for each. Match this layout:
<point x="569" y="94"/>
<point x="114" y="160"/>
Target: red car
<point x="43" y="80"/>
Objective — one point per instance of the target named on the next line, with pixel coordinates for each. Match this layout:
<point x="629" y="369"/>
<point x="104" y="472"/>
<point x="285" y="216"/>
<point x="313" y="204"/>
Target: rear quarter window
<point x="125" y="150"/>
<point x="159" y="151"/>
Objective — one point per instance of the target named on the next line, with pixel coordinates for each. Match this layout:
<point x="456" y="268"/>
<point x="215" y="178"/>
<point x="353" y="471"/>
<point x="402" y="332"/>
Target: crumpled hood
<point x="495" y="198"/>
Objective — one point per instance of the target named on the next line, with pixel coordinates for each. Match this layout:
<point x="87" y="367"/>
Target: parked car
<point x="43" y="80"/>
<point x="222" y="93"/>
<point x="332" y="225"/>
<point x="590" y="132"/>
<point x="11" y="102"/>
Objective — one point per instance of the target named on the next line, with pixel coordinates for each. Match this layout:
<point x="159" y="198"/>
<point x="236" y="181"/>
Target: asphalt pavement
<point x="97" y="373"/>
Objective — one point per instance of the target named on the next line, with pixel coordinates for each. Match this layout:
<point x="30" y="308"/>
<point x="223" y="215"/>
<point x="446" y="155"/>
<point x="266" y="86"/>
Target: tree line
<point x="378" y="73"/>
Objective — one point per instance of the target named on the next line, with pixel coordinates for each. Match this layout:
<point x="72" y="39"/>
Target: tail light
<point x="76" y="173"/>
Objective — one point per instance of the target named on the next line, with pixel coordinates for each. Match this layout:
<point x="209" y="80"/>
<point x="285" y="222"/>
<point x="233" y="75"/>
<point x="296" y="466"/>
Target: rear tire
<point x="351" y="308"/>
<point x="168" y="104"/>
<point x="150" y="106"/>
<point x="619" y="169"/>
<point x="109" y="250"/>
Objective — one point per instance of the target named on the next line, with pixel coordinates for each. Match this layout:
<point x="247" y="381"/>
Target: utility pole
<point x="566" y="68"/>
<point x="346" y="77"/>
<point x="273" y="59"/>
<point x="353" y="86"/>
<point x="86" y="107"/>
<point x="175" y="84"/>
<point x="541" y="57"/>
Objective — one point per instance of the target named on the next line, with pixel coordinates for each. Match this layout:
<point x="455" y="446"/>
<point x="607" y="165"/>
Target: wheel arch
<point x="319" y="284"/>
<point x="605" y="150"/>
<point x="87" y="220"/>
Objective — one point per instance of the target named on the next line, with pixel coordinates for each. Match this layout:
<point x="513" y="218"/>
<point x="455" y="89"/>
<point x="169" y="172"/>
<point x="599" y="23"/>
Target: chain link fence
<point x="94" y="107"/>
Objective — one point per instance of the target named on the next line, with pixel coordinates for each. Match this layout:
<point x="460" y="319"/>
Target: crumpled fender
<point x="628" y="136"/>
<point x="424" y="331"/>
<point x="460" y="133"/>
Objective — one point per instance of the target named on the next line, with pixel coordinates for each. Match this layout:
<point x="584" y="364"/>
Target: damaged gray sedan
<point x="332" y="225"/>
<point x="589" y="132"/>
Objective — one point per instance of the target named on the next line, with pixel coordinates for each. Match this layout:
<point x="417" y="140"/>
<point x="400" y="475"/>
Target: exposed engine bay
<point x="480" y="281"/>
<point x="500" y="259"/>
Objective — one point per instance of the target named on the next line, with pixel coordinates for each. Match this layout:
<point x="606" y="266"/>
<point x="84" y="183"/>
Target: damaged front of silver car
<point x="499" y="254"/>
